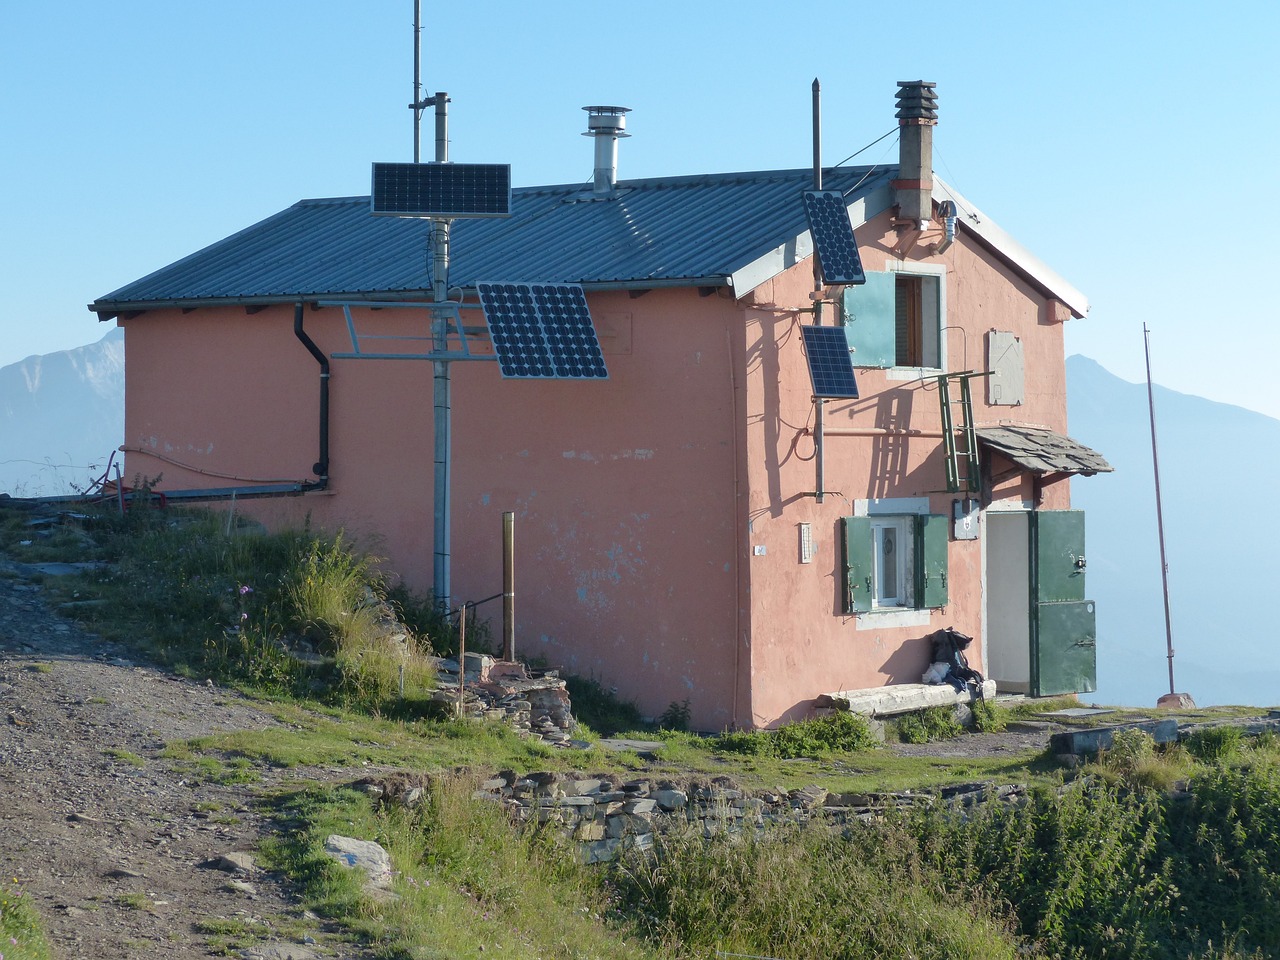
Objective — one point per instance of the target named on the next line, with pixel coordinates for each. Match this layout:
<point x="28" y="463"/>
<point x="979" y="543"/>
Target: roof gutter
<point x="109" y="310"/>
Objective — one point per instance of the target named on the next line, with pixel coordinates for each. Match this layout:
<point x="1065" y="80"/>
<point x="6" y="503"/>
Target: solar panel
<point x="830" y="362"/>
<point x="441" y="190"/>
<point x="833" y="237"/>
<point x="542" y="330"/>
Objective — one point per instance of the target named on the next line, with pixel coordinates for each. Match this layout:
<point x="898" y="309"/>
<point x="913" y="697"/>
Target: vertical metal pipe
<point x="442" y="400"/>
<point x="416" y="105"/>
<point x="508" y="586"/>
<point x="462" y="654"/>
<point x="1155" y="464"/>
<point x="819" y="448"/>
<point x="321" y="467"/>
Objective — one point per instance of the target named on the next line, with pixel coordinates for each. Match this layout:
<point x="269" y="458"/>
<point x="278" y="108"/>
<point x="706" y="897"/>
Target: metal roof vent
<point x="608" y="125"/>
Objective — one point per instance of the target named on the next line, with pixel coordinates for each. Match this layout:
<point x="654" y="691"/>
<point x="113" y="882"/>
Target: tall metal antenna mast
<point x="418" y="104"/>
<point x="1164" y="564"/>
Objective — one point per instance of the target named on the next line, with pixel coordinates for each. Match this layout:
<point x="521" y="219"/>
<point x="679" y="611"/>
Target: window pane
<point x="907" y="321"/>
<point x="889" y="550"/>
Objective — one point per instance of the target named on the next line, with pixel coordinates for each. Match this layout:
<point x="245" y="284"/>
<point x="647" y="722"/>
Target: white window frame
<point x="903" y="541"/>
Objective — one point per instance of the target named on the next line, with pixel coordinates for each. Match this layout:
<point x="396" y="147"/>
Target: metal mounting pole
<point x="417" y="104"/>
<point x="508" y="586"/>
<point x="441" y="583"/>
<point x="819" y="439"/>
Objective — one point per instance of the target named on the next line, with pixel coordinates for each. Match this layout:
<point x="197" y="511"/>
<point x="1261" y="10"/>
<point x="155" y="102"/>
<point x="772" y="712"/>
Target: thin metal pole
<point x="441" y="582"/>
<point x="416" y="106"/>
<point x="462" y="654"/>
<point x="819" y="439"/>
<point x="1155" y="463"/>
<point x="508" y="586"/>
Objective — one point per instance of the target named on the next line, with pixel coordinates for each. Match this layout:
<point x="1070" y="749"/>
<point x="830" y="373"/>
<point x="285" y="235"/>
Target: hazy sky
<point x="1131" y="145"/>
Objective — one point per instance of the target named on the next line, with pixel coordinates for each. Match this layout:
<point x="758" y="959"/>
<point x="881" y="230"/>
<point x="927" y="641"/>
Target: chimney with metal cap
<point x="917" y="116"/>
<point x="608" y="125"/>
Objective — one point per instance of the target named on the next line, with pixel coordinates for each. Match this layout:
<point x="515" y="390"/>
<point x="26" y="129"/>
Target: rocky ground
<point x="126" y="853"/>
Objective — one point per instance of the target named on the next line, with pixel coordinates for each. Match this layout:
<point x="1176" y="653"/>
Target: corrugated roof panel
<point x="697" y="229"/>
<point x="663" y="230"/>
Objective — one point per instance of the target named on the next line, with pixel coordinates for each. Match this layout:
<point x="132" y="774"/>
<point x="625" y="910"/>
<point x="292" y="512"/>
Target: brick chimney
<point x="917" y="116"/>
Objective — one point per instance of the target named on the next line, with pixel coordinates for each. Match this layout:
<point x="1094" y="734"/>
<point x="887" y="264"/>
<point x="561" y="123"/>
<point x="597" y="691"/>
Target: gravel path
<point x="105" y="835"/>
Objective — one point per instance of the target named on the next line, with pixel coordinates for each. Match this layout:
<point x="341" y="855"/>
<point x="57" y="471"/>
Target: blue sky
<point x="1131" y="145"/>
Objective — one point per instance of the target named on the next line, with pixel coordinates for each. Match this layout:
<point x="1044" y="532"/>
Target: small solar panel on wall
<point x="441" y="190"/>
<point x="833" y="237"/>
<point x="830" y="363"/>
<point x="542" y="330"/>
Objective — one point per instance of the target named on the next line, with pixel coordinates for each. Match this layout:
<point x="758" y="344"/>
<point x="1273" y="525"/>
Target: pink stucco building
<point x="671" y="541"/>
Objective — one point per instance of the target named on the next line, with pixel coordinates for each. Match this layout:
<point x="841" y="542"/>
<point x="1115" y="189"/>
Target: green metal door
<point x="1064" y="623"/>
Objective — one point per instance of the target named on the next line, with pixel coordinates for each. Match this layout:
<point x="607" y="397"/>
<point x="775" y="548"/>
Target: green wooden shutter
<point x="870" y="320"/>
<point x="932" y="535"/>
<point x="857" y="564"/>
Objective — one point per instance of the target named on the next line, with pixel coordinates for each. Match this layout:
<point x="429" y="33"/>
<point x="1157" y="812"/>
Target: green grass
<point x="21" y="937"/>
<point x="135" y="901"/>
<point x="468" y="886"/>
<point x="125" y="756"/>
<point x="928" y="725"/>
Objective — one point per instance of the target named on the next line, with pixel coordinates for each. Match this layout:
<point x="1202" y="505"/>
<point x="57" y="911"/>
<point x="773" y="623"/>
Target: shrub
<point x="989" y="716"/>
<point x="601" y="710"/>
<point x="675" y="717"/>
<point x="928" y="725"/>
<point x="837" y="733"/>
<point x="1215" y="744"/>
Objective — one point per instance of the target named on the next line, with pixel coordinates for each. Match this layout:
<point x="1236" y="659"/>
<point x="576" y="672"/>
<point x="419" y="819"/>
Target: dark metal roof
<point x="1043" y="451"/>
<point x="695" y="231"/>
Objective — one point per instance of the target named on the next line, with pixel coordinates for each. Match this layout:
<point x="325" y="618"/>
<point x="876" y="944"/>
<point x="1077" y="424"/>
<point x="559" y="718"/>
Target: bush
<point x="838" y="733"/>
<point x="989" y="716"/>
<point x="928" y="725"/>
<point x="675" y="717"/>
<point x="1215" y="744"/>
<point x="601" y="710"/>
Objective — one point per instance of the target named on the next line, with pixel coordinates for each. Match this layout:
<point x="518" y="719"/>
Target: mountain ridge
<point x="61" y="415"/>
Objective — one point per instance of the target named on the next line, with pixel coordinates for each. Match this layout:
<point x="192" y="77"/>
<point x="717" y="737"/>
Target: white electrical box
<point x="966" y="513"/>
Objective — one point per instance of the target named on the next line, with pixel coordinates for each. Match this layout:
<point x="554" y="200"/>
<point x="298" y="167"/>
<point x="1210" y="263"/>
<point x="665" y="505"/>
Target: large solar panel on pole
<point x="833" y="237"/>
<point x="542" y="331"/>
<point x="830" y="363"/>
<point x="441" y="190"/>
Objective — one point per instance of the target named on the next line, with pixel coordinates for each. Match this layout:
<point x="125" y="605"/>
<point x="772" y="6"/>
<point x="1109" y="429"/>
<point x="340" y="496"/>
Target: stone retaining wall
<point x="603" y="814"/>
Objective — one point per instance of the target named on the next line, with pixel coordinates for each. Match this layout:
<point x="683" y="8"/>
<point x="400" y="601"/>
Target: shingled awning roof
<point x="1042" y="451"/>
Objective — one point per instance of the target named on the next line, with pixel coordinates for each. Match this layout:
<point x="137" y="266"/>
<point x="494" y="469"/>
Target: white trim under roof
<point x="788" y="254"/>
<point x="978" y="223"/>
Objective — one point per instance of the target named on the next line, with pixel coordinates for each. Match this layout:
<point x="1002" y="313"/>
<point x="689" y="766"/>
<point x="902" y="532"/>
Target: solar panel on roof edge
<point x="833" y="239"/>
